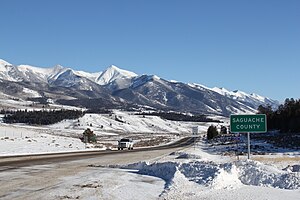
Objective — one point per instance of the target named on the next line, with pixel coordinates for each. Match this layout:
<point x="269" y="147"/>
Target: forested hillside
<point x="41" y="117"/>
<point x="286" y="118"/>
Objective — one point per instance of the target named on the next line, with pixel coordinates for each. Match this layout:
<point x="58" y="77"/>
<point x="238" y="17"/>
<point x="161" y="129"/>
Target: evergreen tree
<point x="89" y="135"/>
<point x="223" y="130"/>
<point x="212" y="132"/>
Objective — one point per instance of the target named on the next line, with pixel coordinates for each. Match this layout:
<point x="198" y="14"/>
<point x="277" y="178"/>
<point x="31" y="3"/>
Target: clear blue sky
<point x="250" y="45"/>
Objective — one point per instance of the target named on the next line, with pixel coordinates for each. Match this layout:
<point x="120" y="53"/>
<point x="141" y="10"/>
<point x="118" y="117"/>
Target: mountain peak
<point x="112" y="73"/>
<point x="3" y="63"/>
<point x="113" y="67"/>
<point x="221" y="90"/>
<point x="58" y="67"/>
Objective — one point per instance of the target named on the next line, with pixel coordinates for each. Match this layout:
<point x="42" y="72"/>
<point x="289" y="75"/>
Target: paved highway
<point x="33" y="177"/>
<point x="27" y="160"/>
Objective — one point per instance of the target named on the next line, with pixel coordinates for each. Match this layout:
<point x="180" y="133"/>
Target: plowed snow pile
<point x="255" y="173"/>
<point x="228" y="176"/>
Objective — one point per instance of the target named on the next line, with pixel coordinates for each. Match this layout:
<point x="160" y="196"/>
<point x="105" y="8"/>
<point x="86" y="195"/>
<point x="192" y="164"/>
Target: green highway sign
<point x="248" y="123"/>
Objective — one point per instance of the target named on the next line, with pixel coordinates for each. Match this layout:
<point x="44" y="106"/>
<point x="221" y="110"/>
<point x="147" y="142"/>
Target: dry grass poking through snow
<point x="277" y="159"/>
<point x="153" y="141"/>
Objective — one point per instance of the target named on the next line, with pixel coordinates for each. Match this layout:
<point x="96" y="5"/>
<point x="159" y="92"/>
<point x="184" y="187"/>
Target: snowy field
<point x="22" y="140"/>
<point x="64" y="136"/>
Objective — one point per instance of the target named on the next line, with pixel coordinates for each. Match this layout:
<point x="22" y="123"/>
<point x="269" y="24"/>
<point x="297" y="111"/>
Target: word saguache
<point x="249" y="120"/>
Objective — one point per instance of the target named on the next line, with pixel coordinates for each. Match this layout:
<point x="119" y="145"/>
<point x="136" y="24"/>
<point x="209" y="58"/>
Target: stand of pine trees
<point x="286" y="118"/>
<point x="41" y="117"/>
<point x="180" y="117"/>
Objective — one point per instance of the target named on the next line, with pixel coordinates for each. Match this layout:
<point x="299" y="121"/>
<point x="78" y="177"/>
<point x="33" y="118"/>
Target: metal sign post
<point x="248" y="136"/>
<point x="237" y="147"/>
<point x="195" y="134"/>
<point x="195" y="130"/>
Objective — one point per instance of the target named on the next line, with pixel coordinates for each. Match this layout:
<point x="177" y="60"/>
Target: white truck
<point x="125" y="143"/>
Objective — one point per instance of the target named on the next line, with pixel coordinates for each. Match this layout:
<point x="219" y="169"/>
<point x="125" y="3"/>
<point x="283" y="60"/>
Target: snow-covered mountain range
<point x="118" y="87"/>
